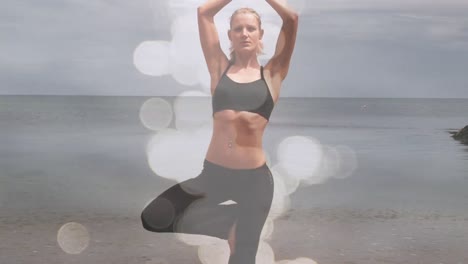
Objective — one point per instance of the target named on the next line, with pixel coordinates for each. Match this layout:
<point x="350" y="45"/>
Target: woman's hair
<point x="246" y="10"/>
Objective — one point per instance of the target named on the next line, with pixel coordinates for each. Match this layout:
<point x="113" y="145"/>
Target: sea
<point x="60" y="155"/>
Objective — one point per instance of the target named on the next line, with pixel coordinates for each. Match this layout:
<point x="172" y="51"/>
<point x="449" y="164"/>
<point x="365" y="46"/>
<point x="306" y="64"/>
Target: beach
<point x="83" y="160"/>
<point x="336" y="235"/>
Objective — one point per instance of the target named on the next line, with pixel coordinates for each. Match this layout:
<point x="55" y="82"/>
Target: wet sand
<point x="335" y="235"/>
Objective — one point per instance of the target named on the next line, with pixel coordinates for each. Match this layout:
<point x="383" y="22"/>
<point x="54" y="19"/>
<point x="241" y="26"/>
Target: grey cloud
<point x="86" y="47"/>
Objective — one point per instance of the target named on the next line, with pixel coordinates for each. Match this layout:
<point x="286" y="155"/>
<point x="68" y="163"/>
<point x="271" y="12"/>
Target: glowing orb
<point x="300" y="260"/>
<point x="216" y="253"/>
<point x="268" y="229"/>
<point x="329" y="166"/>
<point x="73" y="238"/>
<point x="347" y="162"/>
<point x="290" y="183"/>
<point x="178" y="155"/>
<point x="185" y="50"/>
<point x="192" y="110"/>
<point x="197" y="240"/>
<point x="156" y="114"/>
<point x="204" y="78"/>
<point x="152" y="58"/>
<point x="265" y="253"/>
<point x="281" y="200"/>
<point x="178" y="7"/>
<point x="299" y="156"/>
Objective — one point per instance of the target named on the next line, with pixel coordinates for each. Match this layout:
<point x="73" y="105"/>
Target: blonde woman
<point x="244" y="94"/>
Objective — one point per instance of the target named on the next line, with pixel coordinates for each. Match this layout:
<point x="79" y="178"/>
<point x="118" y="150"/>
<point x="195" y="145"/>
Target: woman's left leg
<point x="254" y="204"/>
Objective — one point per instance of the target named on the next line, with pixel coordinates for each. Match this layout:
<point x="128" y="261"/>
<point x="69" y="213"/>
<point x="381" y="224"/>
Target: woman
<point x="243" y="97"/>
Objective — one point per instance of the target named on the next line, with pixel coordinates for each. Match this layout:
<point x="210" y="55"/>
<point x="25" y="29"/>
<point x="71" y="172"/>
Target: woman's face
<point x="245" y="33"/>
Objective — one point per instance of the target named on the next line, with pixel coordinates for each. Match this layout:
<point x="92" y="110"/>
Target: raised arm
<point x="279" y="63"/>
<point x="215" y="58"/>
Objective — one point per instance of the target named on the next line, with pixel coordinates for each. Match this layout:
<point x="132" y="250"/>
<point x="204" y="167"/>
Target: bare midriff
<point x="237" y="140"/>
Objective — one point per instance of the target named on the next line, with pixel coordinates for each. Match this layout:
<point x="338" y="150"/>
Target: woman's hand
<point x="282" y="8"/>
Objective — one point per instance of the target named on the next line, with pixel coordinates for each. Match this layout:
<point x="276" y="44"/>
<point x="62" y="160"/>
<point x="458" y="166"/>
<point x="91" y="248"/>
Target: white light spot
<point x="192" y="110"/>
<point x="197" y="240"/>
<point x="152" y="58"/>
<point x="177" y="7"/>
<point x="347" y="162"/>
<point x="73" y="238"/>
<point x="267" y="230"/>
<point x="300" y="156"/>
<point x="290" y="183"/>
<point x="178" y="155"/>
<point x="204" y="78"/>
<point x="301" y="260"/>
<point x="214" y="253"/>
<point x="156" y="114"/>
<point x="185" y="50"/>
<point x="265" y="253"/>
<point x="281" y="200"/>
<point x="330" y="163"/>
<point x="328" y="167"/>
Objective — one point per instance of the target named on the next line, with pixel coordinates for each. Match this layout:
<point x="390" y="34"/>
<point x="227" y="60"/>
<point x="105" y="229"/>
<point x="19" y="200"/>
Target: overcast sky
<point x="346" y="48"/>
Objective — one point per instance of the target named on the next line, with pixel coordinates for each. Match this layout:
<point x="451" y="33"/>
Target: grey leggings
<point x="193" y="207"/>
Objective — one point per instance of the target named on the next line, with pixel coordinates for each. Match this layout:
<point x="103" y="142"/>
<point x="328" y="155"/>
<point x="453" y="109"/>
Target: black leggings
<point x="193" y="207"/>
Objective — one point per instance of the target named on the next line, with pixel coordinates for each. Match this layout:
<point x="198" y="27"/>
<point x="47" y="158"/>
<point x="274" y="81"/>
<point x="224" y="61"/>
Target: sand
<point x="332" y="235"/>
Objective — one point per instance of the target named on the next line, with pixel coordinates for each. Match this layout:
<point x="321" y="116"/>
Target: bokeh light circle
<point x="156" y="114"/>
<point x="215" y="253"/>
<point x="347" y="162"/>
<point x="73" y="238"/>
<point x="268" y="229"/>
<point x="178" y="155"/>
<point x="281" y="200"/>
<point x="197" y="240"/>
<point x="301" y="260"/>
<point x="192" y="110"/>
<point x="185" y="53"/>
<point x="265" y="253"/>
<point x="300" y="156"/>
<point x="290" y="183"/>
<point x="152" y="58"/>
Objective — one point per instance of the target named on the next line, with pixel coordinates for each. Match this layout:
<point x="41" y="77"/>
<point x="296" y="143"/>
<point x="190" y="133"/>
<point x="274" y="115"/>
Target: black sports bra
<point x="253" y="96"/>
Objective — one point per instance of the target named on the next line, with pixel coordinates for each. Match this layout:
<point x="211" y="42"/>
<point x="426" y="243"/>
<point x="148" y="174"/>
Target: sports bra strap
<point x="227" y="68"/>
<point x="261" y="72"/>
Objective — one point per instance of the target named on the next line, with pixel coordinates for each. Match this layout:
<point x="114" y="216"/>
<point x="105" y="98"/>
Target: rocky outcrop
<point x="461" y="135"/>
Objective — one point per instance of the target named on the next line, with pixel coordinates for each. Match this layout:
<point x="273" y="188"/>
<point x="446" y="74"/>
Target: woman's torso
<point x="237" y="139"/>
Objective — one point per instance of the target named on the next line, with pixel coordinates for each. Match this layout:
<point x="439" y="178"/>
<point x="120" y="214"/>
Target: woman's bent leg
<point x="161" y="214"/>
<point x="190" y="207"/>
<point x="200" y="210"/>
